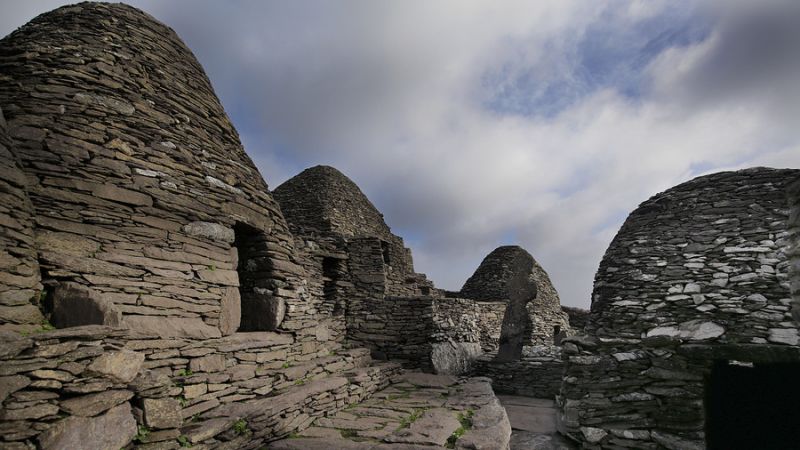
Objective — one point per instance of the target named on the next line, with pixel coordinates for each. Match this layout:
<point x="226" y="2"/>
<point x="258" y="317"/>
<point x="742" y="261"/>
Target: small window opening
<point x="385" y="251"/>
<point x="331" y="274"/>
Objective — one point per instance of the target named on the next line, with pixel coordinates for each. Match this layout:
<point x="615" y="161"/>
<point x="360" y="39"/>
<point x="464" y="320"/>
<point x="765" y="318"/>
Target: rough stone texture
<point x="577" y="317"/>
<point x="417" y="411"/>
<point x="122" y="366"/>
<point x="521" y="290"/>
<point x="75" y="305"/>
<point x="19" y="268"/>
<point x="698" y="273"/>
<point x="138" y="179"/>
<point x="113" y="429"/>
<point x="454" y="358"/>
<point x="537" y="374"/>
<point x="793" y="225"/>
<point x="490" y="283"/>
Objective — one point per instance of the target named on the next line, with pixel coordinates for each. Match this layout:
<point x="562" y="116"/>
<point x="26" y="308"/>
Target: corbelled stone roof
<point x="711" y="249"/>
<point x="322" y="198"/>
<point x="137" y="174"/>
<point x="489" y="282"/>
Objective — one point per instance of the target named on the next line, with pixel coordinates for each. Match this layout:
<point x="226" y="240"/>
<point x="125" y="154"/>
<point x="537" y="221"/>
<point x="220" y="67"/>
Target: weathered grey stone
<point x="433" y="428"/>
<point x="120" y="366"/>
<point x="76" y="305"/>
<point x="593" y="434"/>
<point x="454" y="358"/>
<point x="230" y="314"/>
<point x="521" y="290"/>
<point x="429" y="380"/>
<point x="32" y="412"/>
<point x="162" y="412"/>
<point x="208" y="363"/>
<point x="787" y="336"/>
<point x="9" y="385"/>
<point x="213" y="231"/>
<point x="188" y="327"/>
<point x="112" y="430"/>
<point x="21" y="314"/>
<point x="94" y="404"/>
<point x="672" y="442"/>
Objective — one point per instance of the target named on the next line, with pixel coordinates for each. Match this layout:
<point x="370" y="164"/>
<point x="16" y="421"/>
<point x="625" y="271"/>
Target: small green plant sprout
<point x="184" y="373"/>
<point x="141" y="434"/>
<point x="240" y="427"/>
<point x="184" y="441"/>
<point x="347" y="433"/>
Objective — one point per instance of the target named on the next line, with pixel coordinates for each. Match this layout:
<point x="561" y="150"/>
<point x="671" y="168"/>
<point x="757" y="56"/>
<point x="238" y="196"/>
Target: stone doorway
<point x="261" y="310"/>
<point x="752" y="406"/>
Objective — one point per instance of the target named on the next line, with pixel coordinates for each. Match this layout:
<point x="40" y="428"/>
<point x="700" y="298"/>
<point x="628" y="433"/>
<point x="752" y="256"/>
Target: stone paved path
<point x="533" y="424"/>
<point x="418" y="411"/>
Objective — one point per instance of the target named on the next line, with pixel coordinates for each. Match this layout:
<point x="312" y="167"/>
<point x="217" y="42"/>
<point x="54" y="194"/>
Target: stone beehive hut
<point x="322" y="202"/>
<point x="690" y="338"/>
<point x="489" y="285"/>
<point x="140" y="187"/>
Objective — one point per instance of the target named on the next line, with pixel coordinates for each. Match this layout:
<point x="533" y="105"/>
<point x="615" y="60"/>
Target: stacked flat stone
<point x="794" y="251"/>
<point x="489" y="283"/>
<point x="111" y="384"/>
<point x="136" y="175"/>
<point x="19" y="268"/>
<point x="697" y="273"/>
<point x="577" y="317"/>
<point x="537" y="374"/>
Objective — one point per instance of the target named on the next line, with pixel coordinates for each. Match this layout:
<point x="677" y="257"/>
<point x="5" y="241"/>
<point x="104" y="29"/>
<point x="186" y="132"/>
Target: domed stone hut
<point x="690" y="340"/>
<point x="362" y="271"/>
<point x="489" y="284"/>
<point x="141" y="190"/>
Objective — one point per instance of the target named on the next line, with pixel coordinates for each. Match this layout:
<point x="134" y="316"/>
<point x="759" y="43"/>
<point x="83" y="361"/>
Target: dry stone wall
<point x="537" y="374"/>
<point x="19" y="267"/>
<point x="137" y="177"/>
<point x="697" y="274"/>
<point x="794" y="232"/>
<point x="94" y="387"/>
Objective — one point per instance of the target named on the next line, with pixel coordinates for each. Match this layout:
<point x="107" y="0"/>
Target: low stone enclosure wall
<point x="240" y="391"/>
<point x="538" y="374"/>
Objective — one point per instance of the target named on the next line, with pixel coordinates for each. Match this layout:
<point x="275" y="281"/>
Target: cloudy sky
<point x="476" y="124"/>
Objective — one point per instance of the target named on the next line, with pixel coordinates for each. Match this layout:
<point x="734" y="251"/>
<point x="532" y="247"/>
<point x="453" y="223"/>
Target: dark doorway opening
<point x="332" y="269"/>
<point x="753" y="406"/>
<point x="556" y="335"/>
<point x="261" y="311"/>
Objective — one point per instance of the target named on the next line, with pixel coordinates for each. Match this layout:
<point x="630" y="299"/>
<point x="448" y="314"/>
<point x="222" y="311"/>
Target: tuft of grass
<point x="141" y="434"/>
<point x="406" y="422"/>
<point x="465" y="419"/>
<point x="300" y="382"/>
<point x="347" y="433"/>
<point x="184" y="441"/>
<point x="240" y="427"/>
<point x="184" y="373"/>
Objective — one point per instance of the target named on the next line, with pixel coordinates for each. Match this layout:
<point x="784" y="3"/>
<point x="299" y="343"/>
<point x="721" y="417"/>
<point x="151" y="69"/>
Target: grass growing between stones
<point x="347" y="433"/>
<point x="406" y="422"/>
<point x="240" y="427"/>
<point x="466" y="423"/>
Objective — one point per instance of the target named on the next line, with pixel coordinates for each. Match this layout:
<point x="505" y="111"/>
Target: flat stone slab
<point x="530" y="418"/>
<point x="533" y="423"/>
<point x="433" y="428"/>
<point x="429" y="380"/>
<point x="419" y="412"/>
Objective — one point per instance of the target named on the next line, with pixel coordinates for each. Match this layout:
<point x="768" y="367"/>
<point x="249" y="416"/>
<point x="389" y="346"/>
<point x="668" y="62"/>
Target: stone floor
<point x="533" y="424"/>
<point x="418" y="411"/>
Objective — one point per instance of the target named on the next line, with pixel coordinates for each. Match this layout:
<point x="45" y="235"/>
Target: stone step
<point x="293" y="407"/>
